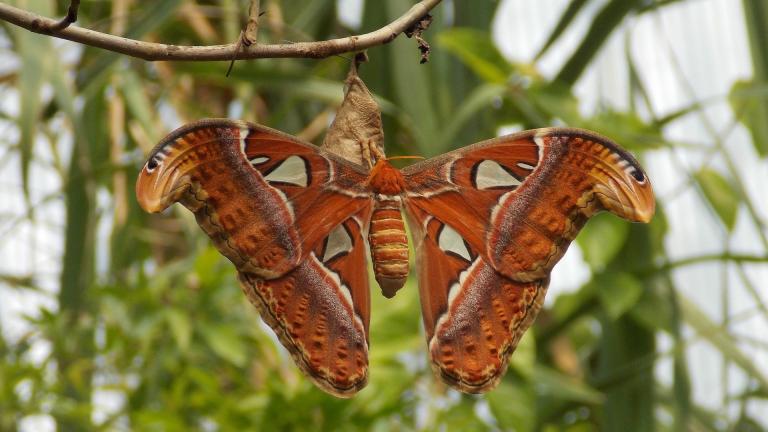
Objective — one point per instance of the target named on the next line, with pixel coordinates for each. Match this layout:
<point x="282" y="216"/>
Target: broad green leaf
<point x="749" y="102"/>
<point x="512" y="405"/>
<point x="756" y="117"/>
<point x="721" y="194"/>
<point x="618" y="292"/>
<point x="523" y="359"/>
<point x="652" y="311"/>
<point x="225" y="342"/>
<point x="180" y="326"/>
<point x="601" y="239"/>
<point x="478" y="52"/>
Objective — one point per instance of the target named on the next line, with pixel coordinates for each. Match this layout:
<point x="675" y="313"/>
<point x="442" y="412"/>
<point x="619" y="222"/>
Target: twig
<point x="248" y="36"/>
<point x="68" y="19"/>
<point x="416" y="30"/>
<point x="157" y="51"/>
<point x="252" y="27"/>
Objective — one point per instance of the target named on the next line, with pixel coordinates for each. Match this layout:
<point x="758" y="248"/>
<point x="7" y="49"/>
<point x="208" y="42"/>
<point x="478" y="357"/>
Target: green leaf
<point x="524" y="356"/>
<point x="749" y="102"/>
<point x="35" y="53"/>
<point x="478" y="52"/>
<point x="138" y="103"/>
<point x="756" y="19"/>
<point x="479" y="100"/>
<point x="601" y="239"/>
<point x="722" y="340"/>
<point x="574" y="7"/>
<point x="180" y="326"/>
<point x="412" y="83"/>
<point x="605" y="22"/>
<point x="225" y="342"/>
<point x="721" y="194"/>
<point x="555" y="384"/>
<point x="618" y="292"/>
<point x="512" y="405"/>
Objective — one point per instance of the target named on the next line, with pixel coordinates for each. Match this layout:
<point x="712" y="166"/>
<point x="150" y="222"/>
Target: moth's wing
<point x="473" y="316"/>
<point x="264" y="197"/>
<point x="320" y="310"/>
<point x="521" y="199"/>
<point x="490" y="221"/>
<point x="292" y="219"/>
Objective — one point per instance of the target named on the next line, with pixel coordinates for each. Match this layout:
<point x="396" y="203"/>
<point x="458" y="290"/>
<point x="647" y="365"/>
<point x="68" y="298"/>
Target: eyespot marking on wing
<point x="450" y="241"/>
<point x="293" y="171"/>
<point x="338" y="243"/>
<point x="489" y="175"/>
<point x="630" y="167"/>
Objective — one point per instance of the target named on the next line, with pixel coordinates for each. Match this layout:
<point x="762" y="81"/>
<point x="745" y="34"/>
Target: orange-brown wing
<point x="277" y="207"/>
<point x="506" y="210"/>
<point x="473" y="316"/>
<point x="320" y="310"/>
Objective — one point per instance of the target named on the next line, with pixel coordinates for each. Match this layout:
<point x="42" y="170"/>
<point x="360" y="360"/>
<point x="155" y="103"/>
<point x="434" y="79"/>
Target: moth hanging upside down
<point x="489" y="221"/>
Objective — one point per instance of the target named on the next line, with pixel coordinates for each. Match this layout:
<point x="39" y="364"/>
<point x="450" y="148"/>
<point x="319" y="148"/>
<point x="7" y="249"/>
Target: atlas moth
<point x="488" y="222"/>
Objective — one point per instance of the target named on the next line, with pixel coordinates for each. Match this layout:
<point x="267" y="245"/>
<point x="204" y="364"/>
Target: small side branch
<point x="415" y="31"/>
<point x="69" y="18"/>
<point x="252" y="26"/>
<point x="157" y="51"/>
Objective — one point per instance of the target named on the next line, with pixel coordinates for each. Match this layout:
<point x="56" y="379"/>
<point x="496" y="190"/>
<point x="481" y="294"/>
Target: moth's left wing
<point x="491" y="220"/>
<point x="292" y="218"/>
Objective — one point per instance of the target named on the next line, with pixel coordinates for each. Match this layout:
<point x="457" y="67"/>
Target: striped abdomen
<point x="389" y="245"/>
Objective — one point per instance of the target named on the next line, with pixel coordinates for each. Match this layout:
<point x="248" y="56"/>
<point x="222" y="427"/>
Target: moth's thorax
<point x="386" y="179"/>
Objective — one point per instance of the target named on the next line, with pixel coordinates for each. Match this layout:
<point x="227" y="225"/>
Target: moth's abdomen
<point x="389" y="246"/>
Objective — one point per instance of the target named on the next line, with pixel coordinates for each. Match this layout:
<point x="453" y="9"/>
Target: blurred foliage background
<point x="114" y="319"/>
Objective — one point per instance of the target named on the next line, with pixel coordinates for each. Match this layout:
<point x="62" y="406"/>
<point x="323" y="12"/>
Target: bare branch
<point x="157" y="51"/>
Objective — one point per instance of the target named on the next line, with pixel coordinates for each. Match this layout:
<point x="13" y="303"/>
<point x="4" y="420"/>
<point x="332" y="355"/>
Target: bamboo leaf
<point x="721" y="340"/>
<point x="477" y="51"/>
<point x="150" y="18"/>
<point x="606" y="21"/>
<point x="35" y="54"/>
<point x="412" y="83"/>
<point x="570" y="12"/>
<point x="481" y="98"/>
